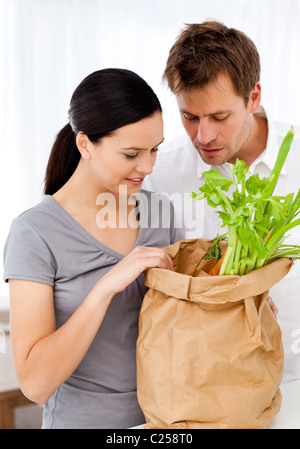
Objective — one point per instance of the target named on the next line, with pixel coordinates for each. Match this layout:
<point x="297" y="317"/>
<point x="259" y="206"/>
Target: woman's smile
<point x="135" y="181"/>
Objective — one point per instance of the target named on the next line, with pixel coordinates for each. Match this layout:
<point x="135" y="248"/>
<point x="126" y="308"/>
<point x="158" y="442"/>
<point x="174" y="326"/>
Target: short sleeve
<point x="27" y="255"/>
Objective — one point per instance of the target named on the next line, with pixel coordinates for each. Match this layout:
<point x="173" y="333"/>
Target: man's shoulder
<point x="283" y="127"/>
<point x="172" y="156"/>
<point x="175" y="168"/>
<point x="176" y="153"/>
<point x="172" y="147"/>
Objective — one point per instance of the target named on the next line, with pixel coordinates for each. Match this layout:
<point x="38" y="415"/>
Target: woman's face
<point x="126" y="157"/>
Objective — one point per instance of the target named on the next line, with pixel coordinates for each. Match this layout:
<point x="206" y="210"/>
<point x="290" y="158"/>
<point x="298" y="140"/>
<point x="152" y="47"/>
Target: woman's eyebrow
<point x="142" y="149"/>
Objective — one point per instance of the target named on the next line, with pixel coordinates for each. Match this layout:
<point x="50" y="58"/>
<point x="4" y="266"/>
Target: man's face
<point x="217" y="120"/>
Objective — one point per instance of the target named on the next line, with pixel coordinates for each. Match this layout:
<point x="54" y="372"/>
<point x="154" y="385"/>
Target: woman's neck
<point x="81" y="196"/>
<point x="108" y="219"/>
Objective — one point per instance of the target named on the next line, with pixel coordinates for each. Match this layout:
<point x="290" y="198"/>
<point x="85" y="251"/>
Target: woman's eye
<point x="131" y="156"/>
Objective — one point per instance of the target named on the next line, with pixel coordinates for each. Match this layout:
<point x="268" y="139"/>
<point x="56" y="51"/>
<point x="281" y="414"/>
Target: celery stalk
<point x="256" y="220"/>
<point x="282" y="155"/>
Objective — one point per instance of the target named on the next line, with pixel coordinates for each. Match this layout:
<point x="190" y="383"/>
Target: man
<point x="214" y="73"/>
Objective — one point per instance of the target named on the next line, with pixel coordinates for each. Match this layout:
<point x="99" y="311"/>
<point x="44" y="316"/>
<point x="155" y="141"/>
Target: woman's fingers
<point x="132" y="265"/>
<point x="154" y="257"/>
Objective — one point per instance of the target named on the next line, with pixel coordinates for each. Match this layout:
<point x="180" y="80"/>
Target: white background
<point x="48" y="46"/>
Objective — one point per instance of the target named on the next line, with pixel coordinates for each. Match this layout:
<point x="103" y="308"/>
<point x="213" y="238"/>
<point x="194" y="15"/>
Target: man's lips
<point x="210" y="151"/>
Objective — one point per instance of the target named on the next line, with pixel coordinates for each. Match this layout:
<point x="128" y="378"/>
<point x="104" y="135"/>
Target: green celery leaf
<point x="255" y="185"/>
<point x="239" y="170"/>
<point x="217" y="179"/>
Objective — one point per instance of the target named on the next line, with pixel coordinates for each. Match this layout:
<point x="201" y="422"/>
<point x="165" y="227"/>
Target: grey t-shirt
<point x="45" y="244"/>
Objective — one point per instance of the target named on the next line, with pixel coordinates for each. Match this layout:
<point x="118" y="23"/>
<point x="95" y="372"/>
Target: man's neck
<point x="257" y="141"/>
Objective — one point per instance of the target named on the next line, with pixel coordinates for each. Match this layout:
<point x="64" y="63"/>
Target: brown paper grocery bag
<point x="209" y="351"/>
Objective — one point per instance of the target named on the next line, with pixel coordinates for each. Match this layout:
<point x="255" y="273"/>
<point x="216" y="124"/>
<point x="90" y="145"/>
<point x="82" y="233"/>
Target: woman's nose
<point x="146" y="164"/>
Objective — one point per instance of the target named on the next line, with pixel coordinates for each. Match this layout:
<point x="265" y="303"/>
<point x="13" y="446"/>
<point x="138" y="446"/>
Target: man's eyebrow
<point x="142" y="149"/>
<point x="183" y="111"/>
<point x="219" y="113"/>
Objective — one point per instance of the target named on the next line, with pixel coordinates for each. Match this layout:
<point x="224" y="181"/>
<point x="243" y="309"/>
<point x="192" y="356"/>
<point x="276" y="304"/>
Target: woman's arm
<point x="45" y="356"/>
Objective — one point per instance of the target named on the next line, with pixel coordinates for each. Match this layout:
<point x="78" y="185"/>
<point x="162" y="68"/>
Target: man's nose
<point x="206" y="132"/>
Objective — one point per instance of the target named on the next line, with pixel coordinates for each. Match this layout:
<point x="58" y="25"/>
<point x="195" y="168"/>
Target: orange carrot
<point x="215" y="270"/>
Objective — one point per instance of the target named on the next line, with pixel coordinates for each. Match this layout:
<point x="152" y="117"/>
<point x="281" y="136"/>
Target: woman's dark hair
<point x="103" y="102"/>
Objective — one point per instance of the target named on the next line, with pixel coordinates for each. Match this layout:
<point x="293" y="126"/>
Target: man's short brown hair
<point x="204" y="51"/>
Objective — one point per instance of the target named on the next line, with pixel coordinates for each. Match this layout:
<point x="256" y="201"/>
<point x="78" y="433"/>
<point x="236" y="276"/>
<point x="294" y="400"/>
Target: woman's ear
<point x="84" y="145"/>
<point x="255" y="98"/>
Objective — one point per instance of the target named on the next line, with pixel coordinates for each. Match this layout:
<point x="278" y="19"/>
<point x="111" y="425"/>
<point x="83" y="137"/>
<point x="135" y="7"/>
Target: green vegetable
<point x="214" y="251"/>
<point x="257" y="221"/>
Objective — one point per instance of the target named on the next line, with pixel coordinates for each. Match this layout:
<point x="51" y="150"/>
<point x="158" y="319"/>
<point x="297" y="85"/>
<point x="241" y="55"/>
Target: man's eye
<point x="220" y="119"/>
<point x="189" y="117"/>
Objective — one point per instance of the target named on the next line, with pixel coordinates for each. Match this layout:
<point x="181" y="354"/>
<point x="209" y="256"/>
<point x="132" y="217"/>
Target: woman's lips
<point x="135" y="181"/>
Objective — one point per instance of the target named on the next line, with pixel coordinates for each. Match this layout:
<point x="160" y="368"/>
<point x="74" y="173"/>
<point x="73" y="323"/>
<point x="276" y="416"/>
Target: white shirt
<point x="178" y="172"/>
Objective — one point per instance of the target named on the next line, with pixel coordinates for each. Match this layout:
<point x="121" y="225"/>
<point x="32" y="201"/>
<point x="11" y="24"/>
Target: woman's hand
<point x="35" y="338"/>
<point x="129" y="268"/>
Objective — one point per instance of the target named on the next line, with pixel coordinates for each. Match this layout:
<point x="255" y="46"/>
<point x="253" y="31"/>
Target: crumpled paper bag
<point x="209" y="351"/>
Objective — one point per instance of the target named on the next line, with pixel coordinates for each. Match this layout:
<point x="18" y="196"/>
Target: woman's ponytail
<point x="63" y="160"/>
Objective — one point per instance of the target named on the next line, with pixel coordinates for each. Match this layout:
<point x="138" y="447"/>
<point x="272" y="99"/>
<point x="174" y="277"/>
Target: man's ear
<point x="84" y="145"/>
<point x="255" y="98"/>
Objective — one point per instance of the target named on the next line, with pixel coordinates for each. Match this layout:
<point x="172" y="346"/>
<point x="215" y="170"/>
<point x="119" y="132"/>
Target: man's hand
<point x="272" y="305"/>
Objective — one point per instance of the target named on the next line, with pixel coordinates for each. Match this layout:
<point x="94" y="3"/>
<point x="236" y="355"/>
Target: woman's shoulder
<point x="39" y="218"/>
<point x="44" y="210"/>
<point x="39" y="208"/>
<point x="26" y="251"/>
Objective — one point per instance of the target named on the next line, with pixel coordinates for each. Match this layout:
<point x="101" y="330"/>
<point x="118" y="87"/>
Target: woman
<point x="76" y="285"/>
